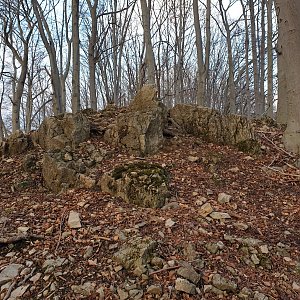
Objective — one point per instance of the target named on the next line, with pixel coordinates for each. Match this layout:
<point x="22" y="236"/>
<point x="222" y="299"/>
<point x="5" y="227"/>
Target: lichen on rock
<point x="139" y="183"/>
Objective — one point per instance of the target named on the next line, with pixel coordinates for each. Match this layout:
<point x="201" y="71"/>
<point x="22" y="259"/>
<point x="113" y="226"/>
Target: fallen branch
<point x="20" y="237"/>
<point x="166" y="269"/>
<point x="62" y="220"/>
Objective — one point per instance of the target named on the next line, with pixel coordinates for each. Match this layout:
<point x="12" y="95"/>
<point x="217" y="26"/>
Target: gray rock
<point x="85" y="289"/>
<point x="135" y="253"/>
<point x="10" y="272"/>
<point x="74" y="220"/>
<point x="169" y="223"/>
<point x="171" y="205"/>
<point x="189" y="273"/>
<point x="51" y="264"/>
<point x="189" y="251"/>
<point x="154" y="289"/>
<point x="205" y="209"/>
<point x="123" y="295"/>
<point x="136" y="294"/>
<point x="223" y="284"/>
<point x="260" y="296"/>
<point x="245" y="293"/>
<point x="214" y="247"/>
<point x="224" y="198"/>
<point x="184" y="285"/>
<point x="219" y="215"/>
<point x="18" y="292"/>
<point x="140" y="183"/>
<point x="88" y="252"/>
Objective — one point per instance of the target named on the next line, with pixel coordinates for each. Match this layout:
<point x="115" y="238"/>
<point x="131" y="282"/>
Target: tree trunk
<point x="270" y="110"/>
<point x="150" y="60"/>
<point x="288" y="12"/>
<point x="76" y="57"/>
<point x="199" y="47"/>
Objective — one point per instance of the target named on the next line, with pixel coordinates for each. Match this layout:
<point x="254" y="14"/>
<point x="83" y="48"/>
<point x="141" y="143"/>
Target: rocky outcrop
<point x="140" y="129"/>
<point x="211" y="125"/>
<point x="16" y="143"/>
<point x="63" y="169"/>
<point x="57" y="132"/>
<point x="139" y="183"/>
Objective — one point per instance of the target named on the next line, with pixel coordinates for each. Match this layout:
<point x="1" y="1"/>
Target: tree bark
<point x="288" y="12"/>
<point x="150" y="59"/>
<point x="76" y="57"/>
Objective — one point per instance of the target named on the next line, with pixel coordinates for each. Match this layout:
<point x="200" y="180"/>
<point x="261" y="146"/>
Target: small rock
<point x="259" y="296"/>
<point x="219" y="215"/>
<point x="240" y="226"/>
<point x="200" y="200"/>
<point x="189" y="251"/>
<point x="18" y="292"/>
<point x="264" y="249"/>
<point x="74" y="220"/>
<point x="101" y="293"/>
<point x="136" y="294"/>
<point x="255" y="259"/>
<point x="35" y="278"/>
<point x="189" y="273"/>
<point x="224" y="198"/>
<point x="184" y="285"/>
<point x="193" y="158"/>
<point x="88" y="252"/>
<point x="296" y="286"/>
<point x="212" y="247"/>
<point x="139" y="270"/>
<point x="68" y="157"/>
<point x="171" y="205"/>
<point x="9" y="273"/>
<point x="154" y="289"/>
<point x="245" y="293"/>
<point x="157" y="262"/>
<point x="223" y="284"/>
<point x="85" y="289"/>
<point x="169" y="223"/>
<point x="234" y="170"/>
<point x="205" y="210"/>
<point x="122" y="294"/>
<point x="23" y="229"/>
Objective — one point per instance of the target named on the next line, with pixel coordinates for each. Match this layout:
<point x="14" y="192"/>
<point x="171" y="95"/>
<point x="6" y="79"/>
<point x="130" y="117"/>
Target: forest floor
<point x="257" y="248"/>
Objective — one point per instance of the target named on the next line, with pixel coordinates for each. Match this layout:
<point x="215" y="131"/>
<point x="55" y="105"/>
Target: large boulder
<point x="68" y="129"/>
<point x="140" y="128"/>
<point x="16" y="143"/>
<point x="140" y="183"/>
<point x="211" y="125"/>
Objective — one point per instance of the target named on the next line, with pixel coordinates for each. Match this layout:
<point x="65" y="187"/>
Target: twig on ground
<point x="62" y="220"/>
<point x="166" y="269"/>
<point x="20" y="237"/>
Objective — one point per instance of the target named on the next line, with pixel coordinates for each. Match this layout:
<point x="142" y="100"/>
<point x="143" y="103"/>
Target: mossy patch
<point x="250" y="146"/>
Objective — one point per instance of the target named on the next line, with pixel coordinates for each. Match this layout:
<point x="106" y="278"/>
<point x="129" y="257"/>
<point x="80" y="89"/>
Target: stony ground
<point x="231" y="229"/>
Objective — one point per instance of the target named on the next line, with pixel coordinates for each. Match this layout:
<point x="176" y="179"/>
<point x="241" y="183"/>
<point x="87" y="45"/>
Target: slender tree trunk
<point x="199" y="47"/>
<point x="257" y="96"/>
<point x="150" y="60"/>
<point x="207" y="53"/>
<point x="270" y="110"/>
<point x="76" y="57"/>
<point x="262" y="57"/>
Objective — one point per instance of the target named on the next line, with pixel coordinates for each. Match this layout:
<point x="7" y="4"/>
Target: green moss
<point x="154" y="174"/>
<point x="250" y="146"/>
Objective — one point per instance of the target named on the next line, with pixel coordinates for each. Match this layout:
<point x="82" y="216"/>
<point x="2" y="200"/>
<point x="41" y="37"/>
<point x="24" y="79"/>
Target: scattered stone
<point x="296" y="286"/>
<point x="169" y="223"/>
<point x="219" y="215"/>
<point x="255" y="259"/>
<point x="234" y="170"/>
<point x="189" y="251"/>
<point x="240" y="226"/>
<point x="171" y="205"/>
<point x="223" y="284"/>
<point x="200" y="200"/>
<point x="9" y="273"/>
<point x="205" y="210"/>
<point x="88" y="252"/>
<point x="136" y="294"/>
<point x="245" y="293"/>
<point x="193" y="158"/>
<point x="154" y="289"/>
<point x="122" y="294"/>
<point x="264" y="249"/>
<point x="189" y="273"/>
<point x="224" y="198"/>
<point x="74" y="220"/>
<point x="23" y="229"/>
<point x="35" y="278"/>
<point x="157" y="262"/>
<point x="18" y="292"/>
<point x="260" y="296"/>
<point x="135" y="253"/>
<point x="184" y="285"/>
<point x="51" y="264"/>
<point x="85" y="289"/>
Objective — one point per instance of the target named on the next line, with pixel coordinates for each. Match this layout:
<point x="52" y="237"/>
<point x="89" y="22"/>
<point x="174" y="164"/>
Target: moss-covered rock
<point x="140" y="183"/>
<point x="250" y="146"/>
